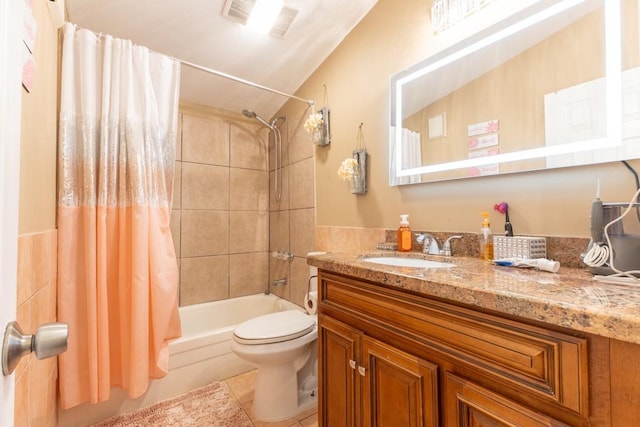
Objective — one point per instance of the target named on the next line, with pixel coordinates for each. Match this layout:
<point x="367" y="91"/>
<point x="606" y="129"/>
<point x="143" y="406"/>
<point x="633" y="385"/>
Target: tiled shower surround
<point x="225" y="222"/>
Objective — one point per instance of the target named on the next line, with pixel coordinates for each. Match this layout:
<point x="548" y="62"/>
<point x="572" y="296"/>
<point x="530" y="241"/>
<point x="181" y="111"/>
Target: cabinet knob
<point x="361" y="370"/>
<point x="352" y="363"/>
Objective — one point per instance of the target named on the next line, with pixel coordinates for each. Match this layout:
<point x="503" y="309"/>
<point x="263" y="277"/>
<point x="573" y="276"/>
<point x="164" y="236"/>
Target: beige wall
<point x="392" y="36"/>
<point x="36" y="294"/>
<point x="39" y="130"/>
<point x="220" y="218"/>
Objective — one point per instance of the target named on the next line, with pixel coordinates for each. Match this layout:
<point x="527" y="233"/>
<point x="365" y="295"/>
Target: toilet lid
<point x="274" y="327"/>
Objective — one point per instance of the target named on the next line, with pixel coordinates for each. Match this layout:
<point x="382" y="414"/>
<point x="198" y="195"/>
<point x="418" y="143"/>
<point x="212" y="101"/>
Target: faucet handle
<point x="421" y="237"/>
<point x="430" y="244"/>
<point x="446" y="247"/>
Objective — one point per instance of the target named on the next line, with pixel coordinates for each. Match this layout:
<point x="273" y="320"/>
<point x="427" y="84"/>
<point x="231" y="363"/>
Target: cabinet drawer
<point x="549" y="364"/>
<point x="467" y="404"/>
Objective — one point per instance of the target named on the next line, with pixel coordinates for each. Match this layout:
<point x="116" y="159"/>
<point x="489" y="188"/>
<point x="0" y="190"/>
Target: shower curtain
<point x="117" y="269"/>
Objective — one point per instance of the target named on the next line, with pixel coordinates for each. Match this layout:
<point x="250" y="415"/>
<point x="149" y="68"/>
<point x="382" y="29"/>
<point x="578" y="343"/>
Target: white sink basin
<point x="408" y="262"/>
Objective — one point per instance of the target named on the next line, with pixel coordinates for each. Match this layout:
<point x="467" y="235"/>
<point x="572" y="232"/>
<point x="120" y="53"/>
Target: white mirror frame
<point x="613" y="70"/>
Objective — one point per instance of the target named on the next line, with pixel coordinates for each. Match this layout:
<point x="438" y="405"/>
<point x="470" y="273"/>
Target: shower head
<point x="253" y="115"/>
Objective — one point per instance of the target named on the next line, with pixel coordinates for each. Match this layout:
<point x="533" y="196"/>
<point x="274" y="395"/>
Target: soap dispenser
<point x="486" y="239"/>
<point x="404" y="234"/>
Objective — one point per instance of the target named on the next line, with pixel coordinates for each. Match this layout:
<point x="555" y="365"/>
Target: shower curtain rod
<point x="309" y="102"/>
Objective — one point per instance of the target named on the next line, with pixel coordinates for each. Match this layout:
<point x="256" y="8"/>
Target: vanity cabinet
<point x="394" y="358"/>
<point x="361" y="373"/>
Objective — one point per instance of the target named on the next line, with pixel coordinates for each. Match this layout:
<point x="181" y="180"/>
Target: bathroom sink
<point x="408" y="262"/>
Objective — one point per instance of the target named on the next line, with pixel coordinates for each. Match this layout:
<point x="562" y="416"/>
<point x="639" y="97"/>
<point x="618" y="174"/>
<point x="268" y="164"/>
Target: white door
<point x="11" y="15"/>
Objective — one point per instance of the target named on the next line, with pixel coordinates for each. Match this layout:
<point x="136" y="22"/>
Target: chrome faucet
<point x="446" y="248"/>
<point x="430" y="244"/>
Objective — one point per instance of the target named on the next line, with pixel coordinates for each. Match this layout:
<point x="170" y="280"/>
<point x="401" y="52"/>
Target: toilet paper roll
<point x="311" y="302"/>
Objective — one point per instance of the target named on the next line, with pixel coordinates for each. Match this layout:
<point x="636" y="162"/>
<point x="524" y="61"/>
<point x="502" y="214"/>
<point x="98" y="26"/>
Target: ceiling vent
<point x="239" y="11"/>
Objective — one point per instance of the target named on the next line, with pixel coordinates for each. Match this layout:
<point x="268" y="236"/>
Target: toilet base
<point x="277" y="396"/>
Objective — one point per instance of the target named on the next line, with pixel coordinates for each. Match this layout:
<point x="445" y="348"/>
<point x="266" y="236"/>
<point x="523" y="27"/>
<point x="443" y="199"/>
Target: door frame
<point x="11" y="51"/>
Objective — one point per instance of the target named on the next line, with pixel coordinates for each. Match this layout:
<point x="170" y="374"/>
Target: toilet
<point x="283" y="346"/>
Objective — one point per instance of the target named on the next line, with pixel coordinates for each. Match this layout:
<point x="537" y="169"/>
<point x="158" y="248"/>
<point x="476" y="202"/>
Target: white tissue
<point x="311" y="302"/>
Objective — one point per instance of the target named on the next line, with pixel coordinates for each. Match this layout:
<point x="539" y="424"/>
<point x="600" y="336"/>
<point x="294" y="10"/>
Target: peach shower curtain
<point x="117" y="270"/>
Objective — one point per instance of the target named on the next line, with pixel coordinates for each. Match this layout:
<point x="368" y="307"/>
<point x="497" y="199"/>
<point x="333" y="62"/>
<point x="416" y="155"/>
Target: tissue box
<point x="519" y="247"/>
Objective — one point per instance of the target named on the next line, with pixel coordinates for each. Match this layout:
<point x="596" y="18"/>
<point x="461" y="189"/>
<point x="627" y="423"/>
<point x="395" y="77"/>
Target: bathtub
<point x="202" y="355"/>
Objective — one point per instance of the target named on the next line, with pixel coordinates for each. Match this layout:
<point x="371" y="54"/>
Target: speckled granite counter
<point x="570" y="298"/>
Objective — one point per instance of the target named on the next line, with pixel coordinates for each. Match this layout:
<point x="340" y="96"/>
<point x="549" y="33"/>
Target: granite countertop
<point x="569" y="298"/>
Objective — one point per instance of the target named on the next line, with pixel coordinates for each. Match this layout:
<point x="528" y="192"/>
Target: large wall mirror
<point x="554" y="85"/>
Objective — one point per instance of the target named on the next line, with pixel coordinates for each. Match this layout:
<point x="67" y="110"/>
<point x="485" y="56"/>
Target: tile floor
<point x="242" y="387"/>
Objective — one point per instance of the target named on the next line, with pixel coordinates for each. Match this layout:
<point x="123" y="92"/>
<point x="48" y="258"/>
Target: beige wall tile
<point x="323" y="237"/>
<point x="248" y="273"/>
<point x="249" y="190"/>
<point x="24" y="319"/>
<point x="299" y="280"/>
<point x="283" y="204"/>
<point x="300" y="145"/>
<point x="204" y="279"/>
<point x="176" y="202"/>
<point x="279" y="269"/>
<point x="40" y="391"/>
<point x="21" y="406"/>
<point x="279" y="231"/>
<point x="205" y="140"/>
<point x="43" y="306"/>
<point x="204" y="233"/>
<point x="301" y="184"/>
<point x="175" y="230"/>
<point x="284" y="155"/>
<point x="370" y="237"/>
<point x="249" y="147"/>
<point x="302" y="231"/>
<point x="249" y="231"/>
<point x="179" y="139"/>
<point x="43" y="258"/>
<point x="36" y="379"/>
<point x="205" y="186"/>
<point x="348" y="239"/>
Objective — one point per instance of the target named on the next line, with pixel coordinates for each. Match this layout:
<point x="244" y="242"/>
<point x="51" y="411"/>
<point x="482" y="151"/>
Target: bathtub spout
<point x="277" y="282"/>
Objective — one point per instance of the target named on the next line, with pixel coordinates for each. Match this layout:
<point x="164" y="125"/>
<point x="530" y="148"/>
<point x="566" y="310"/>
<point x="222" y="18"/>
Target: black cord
<point x="635" y="175"/>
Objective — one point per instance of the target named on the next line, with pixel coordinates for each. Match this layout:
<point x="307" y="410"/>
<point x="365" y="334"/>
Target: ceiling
<point x="196" y="31"/>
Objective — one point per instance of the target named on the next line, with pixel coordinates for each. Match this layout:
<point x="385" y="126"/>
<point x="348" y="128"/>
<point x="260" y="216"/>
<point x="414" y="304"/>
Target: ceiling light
<point x="264" y="14"/>
<point x="240" y="10"/>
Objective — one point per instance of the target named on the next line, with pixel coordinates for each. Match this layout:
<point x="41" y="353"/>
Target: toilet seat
<point x="274" y="328"/>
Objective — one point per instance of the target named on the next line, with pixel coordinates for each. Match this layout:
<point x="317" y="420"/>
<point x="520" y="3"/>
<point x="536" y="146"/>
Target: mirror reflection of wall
<point x="560" y="76"/>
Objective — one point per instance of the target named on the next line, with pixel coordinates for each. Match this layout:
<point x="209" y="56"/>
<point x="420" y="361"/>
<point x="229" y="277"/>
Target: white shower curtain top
<point x="115" y="91"/>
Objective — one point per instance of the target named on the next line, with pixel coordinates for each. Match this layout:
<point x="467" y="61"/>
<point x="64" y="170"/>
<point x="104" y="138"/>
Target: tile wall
<point x="36" y="384"/>
<point x="292" y="223"/>
<point x="225" y="221"/>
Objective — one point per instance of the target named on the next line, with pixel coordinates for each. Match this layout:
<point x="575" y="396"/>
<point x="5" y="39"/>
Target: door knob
<point x="49" y="340"/>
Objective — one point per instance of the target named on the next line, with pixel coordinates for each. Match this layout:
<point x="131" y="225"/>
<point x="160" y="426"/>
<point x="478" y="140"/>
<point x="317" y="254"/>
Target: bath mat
<point x="212" y="405"/>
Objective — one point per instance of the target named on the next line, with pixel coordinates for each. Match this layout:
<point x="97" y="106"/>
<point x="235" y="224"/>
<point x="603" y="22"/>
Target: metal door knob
<point x="49" y="340"/>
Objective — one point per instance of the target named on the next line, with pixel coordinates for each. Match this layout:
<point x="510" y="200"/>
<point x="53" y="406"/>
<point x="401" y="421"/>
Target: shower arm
<point x="309" y="102"/>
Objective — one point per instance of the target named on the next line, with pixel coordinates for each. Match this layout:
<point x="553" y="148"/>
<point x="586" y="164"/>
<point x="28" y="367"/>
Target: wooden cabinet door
<point x="398" y="389"/>
<point x="339" y="388"/>
<point x="468" y="405"/>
